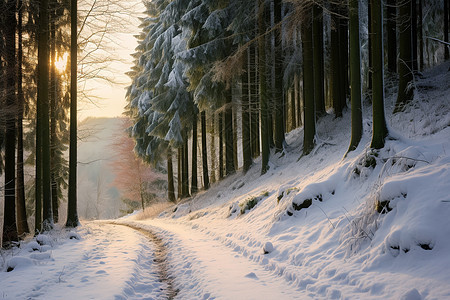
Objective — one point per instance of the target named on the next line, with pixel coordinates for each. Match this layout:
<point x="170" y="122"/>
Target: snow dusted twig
<point x="416" y="159"/>
<point x="437" y="40"/>
<point x="60" y="274"/>
<point x="329" y="220"/>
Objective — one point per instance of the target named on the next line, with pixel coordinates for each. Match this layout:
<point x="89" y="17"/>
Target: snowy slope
<point x="247" y="238"/>
<point x="339" y="247"/>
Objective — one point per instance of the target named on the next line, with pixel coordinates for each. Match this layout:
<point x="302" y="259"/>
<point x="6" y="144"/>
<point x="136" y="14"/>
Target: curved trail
<point x="160" y="260"/>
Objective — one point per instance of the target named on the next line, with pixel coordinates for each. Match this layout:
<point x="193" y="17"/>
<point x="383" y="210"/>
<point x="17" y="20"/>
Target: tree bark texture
<point x="308" y="83"/>
<point x="355" y="75"/>
<point x="263" y="89"/>
<point x="405" y="64"/>
<point x="204" y="151"/>
<point x="194" y="183"/>
<point x="9" y="221"/>
<point x="22" y="224"/>
<point x="72" y="214"/>
<point x="379" y="130"/>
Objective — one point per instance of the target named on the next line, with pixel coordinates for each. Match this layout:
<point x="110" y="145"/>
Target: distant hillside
<point x="96" y="196"/>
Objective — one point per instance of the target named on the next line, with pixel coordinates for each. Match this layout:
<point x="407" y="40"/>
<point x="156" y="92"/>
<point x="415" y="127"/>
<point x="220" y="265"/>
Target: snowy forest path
<point x="160" y="259"/>
<point x="204" y="268"/>
<point x="108" y="261"/>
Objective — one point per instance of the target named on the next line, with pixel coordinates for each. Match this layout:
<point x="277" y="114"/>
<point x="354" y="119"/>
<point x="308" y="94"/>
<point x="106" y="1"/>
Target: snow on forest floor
<point x="308" y="229"/>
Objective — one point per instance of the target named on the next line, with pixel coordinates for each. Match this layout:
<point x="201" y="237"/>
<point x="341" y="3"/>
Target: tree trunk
<point x="246" y="149"/>
<point x="446" y="20"/>
<point x="370" y="42"/>
<point x="279" y="138"/>
<point x="220" y="145"/>
<point x="194" y="184"/>
<point x="391" y="16"/>
<point x="379" y="131"/>
<point x="213" y="148"/>
<point x="229" y="141"/>
<point x="9" y="221"/>
<point x="254" y="103"/>
<point x="170" y="188"/>
<point x="355" y="75"/>
<point x="415" y="67"/>
<point x="308" y="83"/>
<point x="180" y="173"/>
<point x="336" y="63"/>
<point x="293" y="102"/>
<point x="319" y="92"/>
<point x="185" y="170"/>
<point x="300" y="102"/>
<point x="343" y="54"/>
<point x="72" y="214"/>
<point x="53" y="101"/>
<point x="263" y="91"/>
<point x="43" y="98"/>
<point x="204" y="151"/>
<point x="235" y="139"/>
<point x="420" y="35"/>
<point x="405" y="66"/>
<point x="22" y="224"/>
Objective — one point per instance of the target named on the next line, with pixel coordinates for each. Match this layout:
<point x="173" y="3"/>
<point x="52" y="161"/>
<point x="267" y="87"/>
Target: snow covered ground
<point x="308" y="229"/>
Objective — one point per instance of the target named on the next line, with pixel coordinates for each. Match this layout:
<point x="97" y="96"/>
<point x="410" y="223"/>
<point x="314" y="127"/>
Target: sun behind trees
<point x="36" y="37"/>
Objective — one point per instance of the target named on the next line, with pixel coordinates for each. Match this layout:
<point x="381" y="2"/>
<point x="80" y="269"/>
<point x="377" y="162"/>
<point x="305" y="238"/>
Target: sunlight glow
<point x="61" y="62"/>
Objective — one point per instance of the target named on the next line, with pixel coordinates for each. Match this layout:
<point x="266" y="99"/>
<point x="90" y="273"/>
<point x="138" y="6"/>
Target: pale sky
<point x="112" y="97"/>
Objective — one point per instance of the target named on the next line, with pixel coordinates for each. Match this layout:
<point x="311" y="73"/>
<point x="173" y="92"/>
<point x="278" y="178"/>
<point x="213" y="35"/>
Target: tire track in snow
<point x="160" y="260"/>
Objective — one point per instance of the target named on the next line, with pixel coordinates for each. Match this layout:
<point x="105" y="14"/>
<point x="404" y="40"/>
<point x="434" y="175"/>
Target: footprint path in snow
<point x="205" y="269"/>
<point x="138" y="282"/>
<point x="110" y="262"/>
